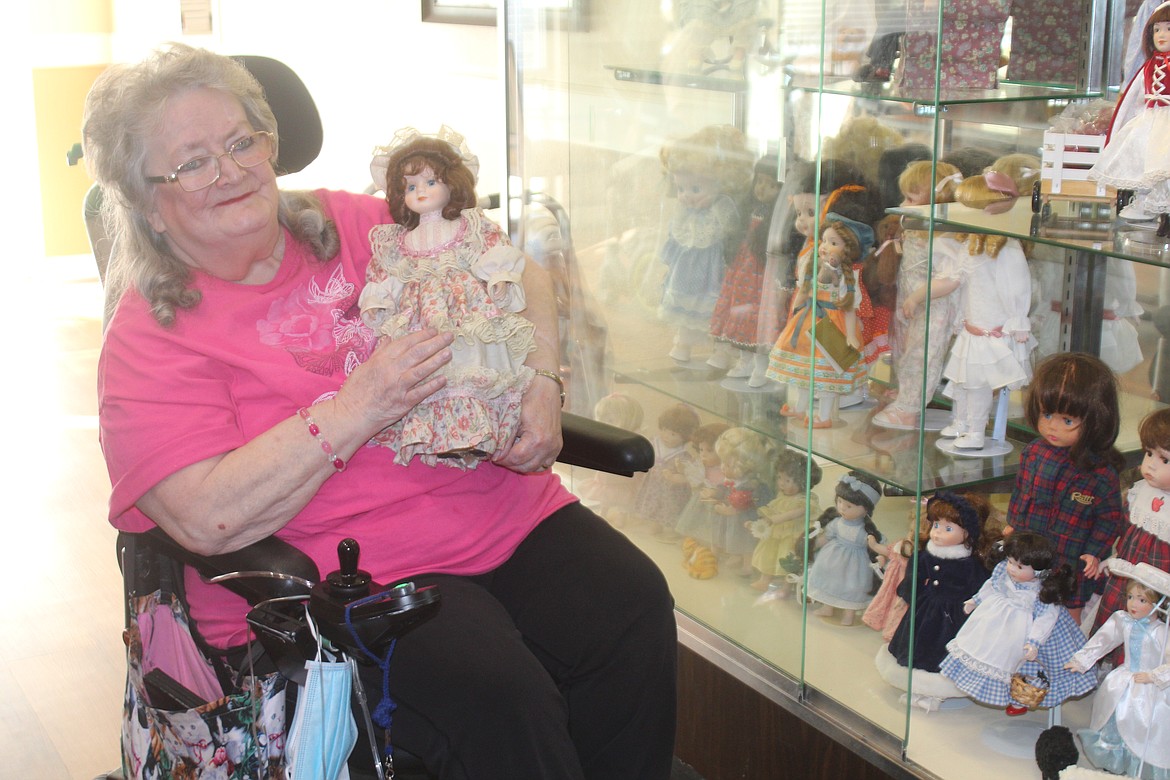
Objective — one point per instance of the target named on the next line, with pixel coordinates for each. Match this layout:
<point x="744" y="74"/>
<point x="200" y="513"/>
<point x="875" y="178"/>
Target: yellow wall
<point x="58" y="96"/>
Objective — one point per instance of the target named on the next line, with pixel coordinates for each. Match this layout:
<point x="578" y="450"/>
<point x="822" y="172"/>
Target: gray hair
<point x="123" y="111"/>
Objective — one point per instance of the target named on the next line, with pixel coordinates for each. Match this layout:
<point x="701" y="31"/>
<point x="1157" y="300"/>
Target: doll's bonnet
<point x="381" y="162"/>
<point x="968" y="517"/>
<point x="1148" y="575"/>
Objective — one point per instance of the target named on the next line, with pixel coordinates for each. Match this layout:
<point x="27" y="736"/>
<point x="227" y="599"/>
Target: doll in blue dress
<point x="710" y="172"/>
<point x="842" y="574"/>
<point x="1017" y="623"/>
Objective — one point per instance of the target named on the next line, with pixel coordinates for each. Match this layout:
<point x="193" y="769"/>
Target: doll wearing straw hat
<point x="1129" y="732"/>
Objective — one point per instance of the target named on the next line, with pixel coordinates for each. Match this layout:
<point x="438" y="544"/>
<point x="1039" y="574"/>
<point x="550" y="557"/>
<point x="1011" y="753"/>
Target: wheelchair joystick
<point x="349" y="582"/>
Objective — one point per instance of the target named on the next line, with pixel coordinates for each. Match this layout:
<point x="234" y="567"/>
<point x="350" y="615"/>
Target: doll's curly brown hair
<point x="447" y="166"/>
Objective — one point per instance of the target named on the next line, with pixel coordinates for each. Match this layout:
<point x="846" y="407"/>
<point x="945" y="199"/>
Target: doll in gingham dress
<point x="1017" y="624"/>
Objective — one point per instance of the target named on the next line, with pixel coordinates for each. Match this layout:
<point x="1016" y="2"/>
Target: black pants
<point x="559" y="664"/>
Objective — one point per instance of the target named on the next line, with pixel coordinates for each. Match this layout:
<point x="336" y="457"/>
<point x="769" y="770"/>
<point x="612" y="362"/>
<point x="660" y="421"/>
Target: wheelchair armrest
<point x="267" y="555"/>
<point x="603" y="447"/>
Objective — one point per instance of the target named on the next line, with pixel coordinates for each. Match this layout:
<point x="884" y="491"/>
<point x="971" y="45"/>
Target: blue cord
<point x="383" y="714"/>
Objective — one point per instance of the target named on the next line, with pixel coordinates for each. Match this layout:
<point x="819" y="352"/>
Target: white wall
<point x="372" y="66"/>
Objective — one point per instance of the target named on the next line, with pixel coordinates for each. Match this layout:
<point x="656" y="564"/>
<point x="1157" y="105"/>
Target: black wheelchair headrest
<point x="298" y="122"/>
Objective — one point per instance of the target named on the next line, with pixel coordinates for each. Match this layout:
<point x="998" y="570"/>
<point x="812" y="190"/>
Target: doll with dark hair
<point x="842" y="574"/>
<point x="735" y="322"/>
<point x="970" y="160"/>
<point x="443" y="264"/>
<point x="780" y="522"/>
<point x="1137" y="149"/>
<point x="1067" y="487"/>
<point x="1016" y="623"/>
<point x="1146" y="537"/>
<point x="948" y="572"/>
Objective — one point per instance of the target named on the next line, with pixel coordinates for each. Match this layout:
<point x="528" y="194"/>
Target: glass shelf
<point x="1057" y="226"/>
<point x="1007" y="92"/>
<point x="652" y="75"/>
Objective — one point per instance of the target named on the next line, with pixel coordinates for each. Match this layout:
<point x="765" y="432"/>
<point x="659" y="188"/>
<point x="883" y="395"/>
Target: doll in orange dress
<point x="443" y="264"/>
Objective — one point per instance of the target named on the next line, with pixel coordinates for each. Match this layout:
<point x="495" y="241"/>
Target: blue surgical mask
<point x="323" y="732"/>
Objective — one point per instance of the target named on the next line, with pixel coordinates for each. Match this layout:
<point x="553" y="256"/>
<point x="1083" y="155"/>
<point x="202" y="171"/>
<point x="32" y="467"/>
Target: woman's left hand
<point x="538" y="437"/>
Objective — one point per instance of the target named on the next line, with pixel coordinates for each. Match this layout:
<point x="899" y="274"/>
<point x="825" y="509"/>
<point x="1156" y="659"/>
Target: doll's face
<point x="671" y="438"/>
<point x="1161" y="36"/>
<point x="1059" y="430"/>
<point x="735" y="467"/>
<point x="1156" y="468"/>
<point x="1136" y="603"/>
<point x="849" y="510"/>
<point x="944" y="533"/>
<point x="695" y="191"/>
<point x="424" y="193"/>
<point x="765" y="188"/>
<point x="834" y="250"/>
<point x="915" y="198"/>
<point x="707" y="454"/>
<point x="786" y="485"/>
<point x="1020" y="572"/>
<point x="805" y="208"/>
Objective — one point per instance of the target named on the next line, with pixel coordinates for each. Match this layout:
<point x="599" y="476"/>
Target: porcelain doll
<point x="664" y="489"/>
<point x="1067" y="486"/>
<point x="745" y="457"/>
<point x="921" y="339"/>
<point x="947" y="573"/>
<point x="612" y="495"/>
<point x="780" y="522"/>
<point x="1016" y="623"/>
<point x="1129" y="732"/>
<point x="709" y="171"/>
<point x="826" y="292"/>
<point x="735" y="325"/>
<point x="1146" y="537"/>
<point x="443" y="264"/>
<point x="1136" y="155"/>
<point x="705" y="476"/>
<point x="886" y="608"/>
<point x="842" y="575"/>
<point x="994" y="336"/>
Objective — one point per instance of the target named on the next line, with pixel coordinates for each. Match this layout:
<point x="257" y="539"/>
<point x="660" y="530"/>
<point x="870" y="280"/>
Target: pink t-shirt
<point x="246" y="358"/>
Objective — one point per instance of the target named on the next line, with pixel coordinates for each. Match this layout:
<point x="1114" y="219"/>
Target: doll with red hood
<point x="1137" y="154"/>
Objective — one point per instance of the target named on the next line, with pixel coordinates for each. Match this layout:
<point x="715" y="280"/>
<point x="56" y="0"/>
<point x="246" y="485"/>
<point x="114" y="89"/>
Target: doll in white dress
<point x="1016" y="623"/>
<point x="1129" y="732"/>
<point x="612" y="495"/>
<point x="1137" y="150"/>
<point x="920" y="342"/>
<point x="445" y="265"/>
<point x="842" y="574"/>
<point x="994" y="337"/>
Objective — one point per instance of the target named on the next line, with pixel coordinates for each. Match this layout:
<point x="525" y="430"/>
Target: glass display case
<point x="712" y="157"/>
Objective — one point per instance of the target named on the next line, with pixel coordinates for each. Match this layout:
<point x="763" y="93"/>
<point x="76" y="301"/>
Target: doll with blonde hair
<point x="613" y="494"/>
<point x="1129" y="731"/>
<point x="780" y="522"/>
<point x="443" y="264"/>
<point x="697" y="520"/>
<point x="919" y="344"/>
<point x="994" y="335"/>
<point x="745" y="457"/>
<point x="709" y="171"/>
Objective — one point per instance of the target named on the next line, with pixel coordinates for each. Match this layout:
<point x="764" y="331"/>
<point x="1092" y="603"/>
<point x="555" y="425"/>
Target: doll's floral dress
<point x="469" y="284"/>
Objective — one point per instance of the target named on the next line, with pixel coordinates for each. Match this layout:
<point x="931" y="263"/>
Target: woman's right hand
<point x="399" y="375"/>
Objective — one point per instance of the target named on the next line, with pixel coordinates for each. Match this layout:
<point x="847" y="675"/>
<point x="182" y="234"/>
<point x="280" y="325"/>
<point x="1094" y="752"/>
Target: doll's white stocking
<point x="684" y="341"/>
<point x="744" y="360"/>
<point x="797" y="403"/>
<point x="978" y="410"/>
<point x="958" y="424"/>
<point x="759" y="376"/>
<point x="723" y="357"/>
<point x="827" y="407"/>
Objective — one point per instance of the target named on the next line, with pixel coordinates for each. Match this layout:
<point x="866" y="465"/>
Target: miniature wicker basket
<point x="1028" y="690"/>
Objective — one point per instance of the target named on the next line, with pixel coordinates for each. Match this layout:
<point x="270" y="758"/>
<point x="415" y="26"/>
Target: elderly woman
<point x="239" y="388"/>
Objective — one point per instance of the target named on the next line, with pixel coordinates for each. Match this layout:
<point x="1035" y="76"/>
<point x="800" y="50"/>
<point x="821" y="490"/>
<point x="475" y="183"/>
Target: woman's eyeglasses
<point x="202" y="172"/>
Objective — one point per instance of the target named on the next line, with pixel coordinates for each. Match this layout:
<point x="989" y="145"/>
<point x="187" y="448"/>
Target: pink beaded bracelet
<point x="326" y="447"/>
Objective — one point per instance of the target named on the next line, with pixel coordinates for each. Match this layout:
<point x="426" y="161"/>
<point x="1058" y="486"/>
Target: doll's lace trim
<point x="1156" y="524"/>
<point x="978" y="667"/>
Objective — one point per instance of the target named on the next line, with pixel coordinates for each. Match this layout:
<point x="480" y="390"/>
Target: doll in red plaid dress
<point x="1067" y="488"/>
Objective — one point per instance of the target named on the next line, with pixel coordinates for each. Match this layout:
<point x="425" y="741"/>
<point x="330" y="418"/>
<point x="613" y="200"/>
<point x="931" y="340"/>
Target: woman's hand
<point x="398" y="376"/>
<point x="538" y="437"/>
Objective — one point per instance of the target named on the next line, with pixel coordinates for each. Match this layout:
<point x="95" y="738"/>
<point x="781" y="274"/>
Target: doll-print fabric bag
<point x="230" y="737"/>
